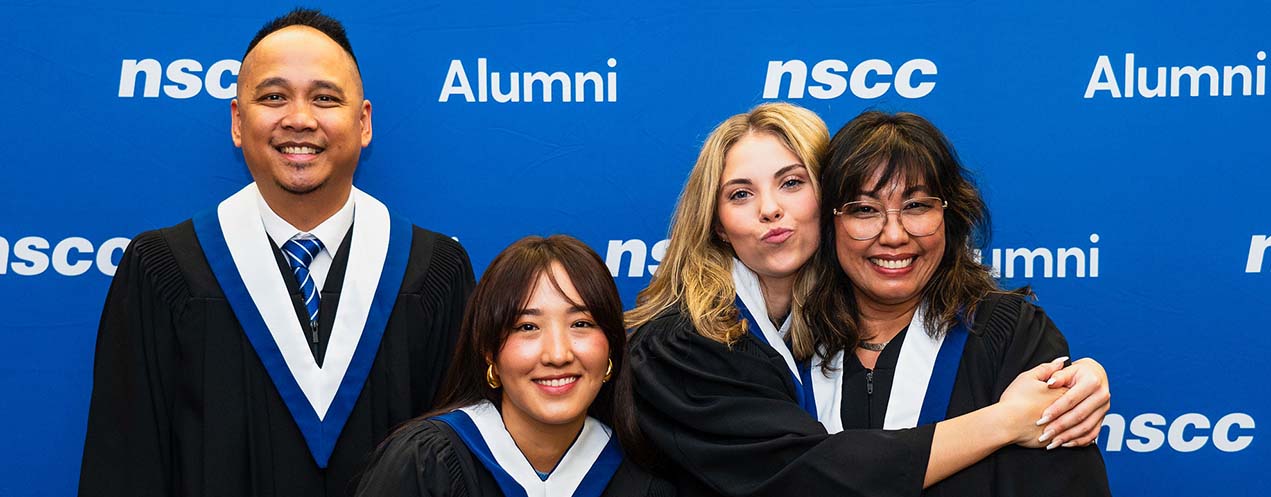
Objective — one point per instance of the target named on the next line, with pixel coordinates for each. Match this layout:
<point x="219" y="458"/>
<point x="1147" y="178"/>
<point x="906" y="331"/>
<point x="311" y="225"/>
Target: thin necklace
<point x="879" y="346"/>
<point x="873" y="347"/>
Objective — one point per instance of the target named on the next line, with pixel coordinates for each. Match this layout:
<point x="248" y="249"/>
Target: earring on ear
<point x="608" y="372"/>
<point x="719" y="233"/>
<point x="491" y="378"/>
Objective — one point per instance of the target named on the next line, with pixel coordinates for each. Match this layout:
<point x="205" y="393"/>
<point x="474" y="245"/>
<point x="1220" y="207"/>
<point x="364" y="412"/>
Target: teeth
<point x="299" y="150"/>
<point x="890" y="264"/>
<point x="558" y="382"/>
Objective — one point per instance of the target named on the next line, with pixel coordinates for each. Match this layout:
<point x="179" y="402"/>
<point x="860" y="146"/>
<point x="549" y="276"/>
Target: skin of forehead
<point x="302" y="35"/>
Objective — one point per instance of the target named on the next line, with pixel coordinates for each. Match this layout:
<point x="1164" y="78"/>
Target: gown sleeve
<point x="128" y="446"/>
<point x="444" y="294"/>
<point x="419" y="460"/>
<point x="727" y="416"/>
<point x="1024" y="337"/>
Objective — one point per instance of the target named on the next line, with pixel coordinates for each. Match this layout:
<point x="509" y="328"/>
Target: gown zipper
<point x="869" y="397"/>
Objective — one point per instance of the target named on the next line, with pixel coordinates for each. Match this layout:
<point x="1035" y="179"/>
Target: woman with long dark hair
<point x="729" y="382"/>
<point x="537" y="399"/>
<point x="928" y="333"/>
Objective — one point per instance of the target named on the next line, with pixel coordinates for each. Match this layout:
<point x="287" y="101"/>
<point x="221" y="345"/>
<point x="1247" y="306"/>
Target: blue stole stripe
<point x="319" y="434"/>
<point x="803" y="391"/>
<point x="471" y="436"/>
<point x="601" y="471"/>
<point x="592" y="485"/>
<point x="935" y="404"/>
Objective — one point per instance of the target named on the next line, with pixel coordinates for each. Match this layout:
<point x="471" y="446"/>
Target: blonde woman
<point x="728" y="387"/>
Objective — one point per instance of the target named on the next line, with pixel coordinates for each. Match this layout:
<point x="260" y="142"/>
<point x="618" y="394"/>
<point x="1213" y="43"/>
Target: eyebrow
<point x="784" y="170"/>
<point x="915" y="189"/>
<point x="908" y="191"/>
<point x="267" y="82"/>
<point x="320" y="84"/>
<point x="534" y="311"/>
<point x="778" y="174"/>
<point x="327" y="85"/>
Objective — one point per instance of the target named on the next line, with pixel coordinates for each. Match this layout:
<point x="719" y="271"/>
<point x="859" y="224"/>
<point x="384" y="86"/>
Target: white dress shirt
<point x="330" y="232"/>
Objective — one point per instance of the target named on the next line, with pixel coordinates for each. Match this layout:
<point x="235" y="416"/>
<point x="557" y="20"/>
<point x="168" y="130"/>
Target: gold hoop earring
<point x="608" y="372"/>
<point x="492" y="379"/>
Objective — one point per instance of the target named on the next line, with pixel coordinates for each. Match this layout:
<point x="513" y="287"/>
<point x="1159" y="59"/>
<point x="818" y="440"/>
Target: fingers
<point x="1074" y="418"/>
<point x="1065" y="403"/>
<point x="1084" y="378"/>
<point x="1080" y="426"/>
<point x="1063" y="378"/>
<point x="1049" y="370"/>
<point x="1088" y="370"/>
<point x="1081" y="435"/>
<point x="1025" y="405"/>
<point x="1044" y="371"/>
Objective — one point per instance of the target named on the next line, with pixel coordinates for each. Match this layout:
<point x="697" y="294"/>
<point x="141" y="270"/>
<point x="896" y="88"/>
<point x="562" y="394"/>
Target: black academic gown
<point x="727" y="421"/>
<point x="1009" y="336"/>
<point x="182" y="406"/>
<point x="426" y="458"/>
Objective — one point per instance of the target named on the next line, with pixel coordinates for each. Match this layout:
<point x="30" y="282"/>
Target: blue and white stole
<point x="818" y="393"/>
<point x="584" y="470"/>
<point x="238" y="250"/>
<point x="925" y="373"/>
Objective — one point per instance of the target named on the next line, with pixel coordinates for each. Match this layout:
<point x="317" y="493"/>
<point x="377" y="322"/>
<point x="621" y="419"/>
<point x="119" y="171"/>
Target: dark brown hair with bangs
<point x="496" y="304"/>
<point x="908" y="148"/>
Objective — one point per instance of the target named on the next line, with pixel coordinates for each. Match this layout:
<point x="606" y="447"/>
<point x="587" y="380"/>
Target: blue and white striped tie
<point x="300" y="252"/>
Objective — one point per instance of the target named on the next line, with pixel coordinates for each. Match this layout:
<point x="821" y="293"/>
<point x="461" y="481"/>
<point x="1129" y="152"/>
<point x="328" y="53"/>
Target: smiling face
<point x="893" y="268"/>
<point x="767" y="208"/>
<point x="300" y="117"/>
<point x="554" y="359"/>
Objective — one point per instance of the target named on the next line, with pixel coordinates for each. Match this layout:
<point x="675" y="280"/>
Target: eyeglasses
<point x="865" y="219"/>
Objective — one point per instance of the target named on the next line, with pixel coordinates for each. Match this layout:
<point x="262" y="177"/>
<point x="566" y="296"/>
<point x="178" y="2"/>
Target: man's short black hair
<point x="312" y="18"/>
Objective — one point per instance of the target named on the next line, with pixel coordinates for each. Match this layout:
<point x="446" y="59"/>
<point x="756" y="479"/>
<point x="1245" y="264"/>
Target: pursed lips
<point x="777" y="235"/>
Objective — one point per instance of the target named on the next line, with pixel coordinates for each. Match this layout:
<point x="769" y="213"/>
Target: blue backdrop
<point x="1141" y="222"/>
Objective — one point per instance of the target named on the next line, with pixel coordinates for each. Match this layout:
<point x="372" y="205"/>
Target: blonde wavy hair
<point x="696" y="272"/>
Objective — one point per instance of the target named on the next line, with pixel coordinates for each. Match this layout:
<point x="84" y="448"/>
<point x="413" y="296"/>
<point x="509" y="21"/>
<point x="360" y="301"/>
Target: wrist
<point x="1003" y="425"/>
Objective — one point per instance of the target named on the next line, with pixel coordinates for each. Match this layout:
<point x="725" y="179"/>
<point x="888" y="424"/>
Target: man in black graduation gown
<point x="265" y="347"/>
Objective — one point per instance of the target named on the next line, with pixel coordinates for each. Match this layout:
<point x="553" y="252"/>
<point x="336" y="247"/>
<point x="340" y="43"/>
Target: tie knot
<point x="301" y="251"/>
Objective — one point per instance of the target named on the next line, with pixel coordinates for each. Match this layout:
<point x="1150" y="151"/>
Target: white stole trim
<point x="254" y="258"/>
<point x="827" y="388"/>
<point x="829" y="392"/>
<point x="569" y="472"/>
<point x="913" y="373"/>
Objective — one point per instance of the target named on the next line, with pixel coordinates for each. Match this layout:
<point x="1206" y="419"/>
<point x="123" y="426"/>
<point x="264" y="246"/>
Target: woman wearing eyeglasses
<point x="729" y="388"/>
<point x="927" y="333"/>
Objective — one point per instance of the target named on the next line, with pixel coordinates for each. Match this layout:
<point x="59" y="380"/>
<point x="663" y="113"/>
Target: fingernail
<point x="1050" y="382"/>
<point x="1070" y="444"/>
<point x="1052" y="445"/>
<point x="1060" y="359"/>
<point x="1045" y="436"/>
<point x="1045" y="419"/>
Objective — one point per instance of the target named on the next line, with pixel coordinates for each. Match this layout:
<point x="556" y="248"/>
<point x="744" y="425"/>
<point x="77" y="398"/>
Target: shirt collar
<point x="330" y="232"/>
